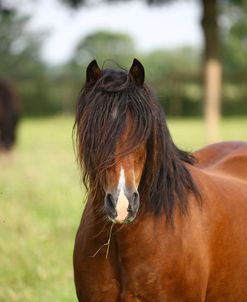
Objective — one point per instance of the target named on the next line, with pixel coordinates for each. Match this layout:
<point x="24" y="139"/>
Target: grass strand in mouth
<point x="107" y="244"/>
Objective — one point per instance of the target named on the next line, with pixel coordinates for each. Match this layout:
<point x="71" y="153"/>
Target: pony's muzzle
<point x="123" y="207"/>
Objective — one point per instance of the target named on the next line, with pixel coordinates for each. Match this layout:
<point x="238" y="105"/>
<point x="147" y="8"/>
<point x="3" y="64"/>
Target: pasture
<point x="41" y="201"/>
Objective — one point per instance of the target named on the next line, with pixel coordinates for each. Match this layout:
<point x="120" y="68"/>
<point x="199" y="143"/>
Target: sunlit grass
<point x="190" y="133"/>
<point x="41" y="203"/>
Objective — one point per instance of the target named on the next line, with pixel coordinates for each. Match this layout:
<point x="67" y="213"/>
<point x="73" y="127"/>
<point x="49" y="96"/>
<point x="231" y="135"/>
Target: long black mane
<point x="103" y="111"/>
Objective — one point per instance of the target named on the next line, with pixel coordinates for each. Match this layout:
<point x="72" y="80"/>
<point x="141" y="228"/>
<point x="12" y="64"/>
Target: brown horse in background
<point x="160" y="224"/>
<point x="9" y="115"/>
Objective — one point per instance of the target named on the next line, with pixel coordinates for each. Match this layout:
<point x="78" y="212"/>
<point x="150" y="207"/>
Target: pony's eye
<point x="139" y="158"/>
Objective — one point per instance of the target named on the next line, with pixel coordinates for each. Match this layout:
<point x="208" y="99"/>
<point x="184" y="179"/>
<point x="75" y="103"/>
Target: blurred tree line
<point x="21" y="64"/>
<point x="46" y="90"/>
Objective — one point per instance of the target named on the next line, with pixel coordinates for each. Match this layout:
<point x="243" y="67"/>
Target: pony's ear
<point x="137" y="72"/>
<point x="93" y="73"/>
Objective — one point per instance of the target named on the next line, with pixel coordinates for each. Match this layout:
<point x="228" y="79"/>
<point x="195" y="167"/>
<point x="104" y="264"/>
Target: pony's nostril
<point x="134" y="202"/>
<point x="110" y="200"/>
<point x="135" y="197"/>
<point x="110" y="206"/>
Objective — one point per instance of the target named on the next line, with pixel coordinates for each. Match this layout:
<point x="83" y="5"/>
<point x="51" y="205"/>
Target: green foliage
<point x="174" y="61"/>
<point x="235" y="38"/>
<point x="76" y="3"/>
<point x="173" y="75"/>
<point x="19" y="49"/>
<point x="20" y="62"/>
<point x="103" y="45"/>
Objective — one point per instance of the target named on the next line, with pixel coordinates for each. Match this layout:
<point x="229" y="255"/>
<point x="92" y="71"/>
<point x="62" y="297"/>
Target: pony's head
<point x="124" y="147"/>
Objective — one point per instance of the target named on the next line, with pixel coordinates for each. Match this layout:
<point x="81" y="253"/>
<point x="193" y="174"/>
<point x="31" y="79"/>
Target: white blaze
<point x="122" y="202"/>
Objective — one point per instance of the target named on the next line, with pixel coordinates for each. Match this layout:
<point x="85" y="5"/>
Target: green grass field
<point x="41" y="203"/>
